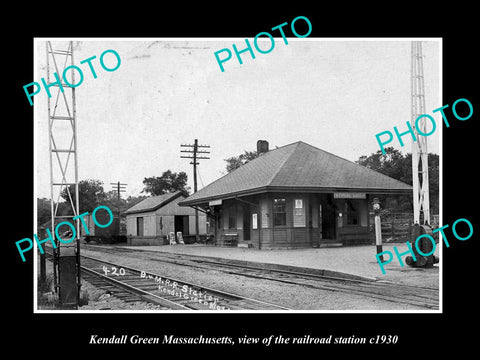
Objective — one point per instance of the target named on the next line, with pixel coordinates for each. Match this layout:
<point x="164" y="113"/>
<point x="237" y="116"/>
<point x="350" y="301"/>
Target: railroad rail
<point x="113" y="287"/>
<point x="121" y="290"/>
<point x="131" y="285"/>
<point x="422" y="297"/>
<point x="172" y="293"/>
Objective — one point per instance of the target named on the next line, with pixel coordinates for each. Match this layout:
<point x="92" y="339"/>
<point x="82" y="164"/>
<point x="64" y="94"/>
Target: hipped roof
<point x="297" y="167"/>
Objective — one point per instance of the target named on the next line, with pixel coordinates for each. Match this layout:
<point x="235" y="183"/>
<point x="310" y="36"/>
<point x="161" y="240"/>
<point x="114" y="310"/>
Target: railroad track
<point x="421" y="297"/>
<point x="111" y="286"/>
<point x="120" y="290"/>
<point x="397" y="293"/>
<point x="133" y="285"/>
<point x="172" y="293"/>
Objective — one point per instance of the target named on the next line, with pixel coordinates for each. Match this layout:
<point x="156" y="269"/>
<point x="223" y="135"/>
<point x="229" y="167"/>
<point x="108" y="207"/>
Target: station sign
<point x="349" y="195"/>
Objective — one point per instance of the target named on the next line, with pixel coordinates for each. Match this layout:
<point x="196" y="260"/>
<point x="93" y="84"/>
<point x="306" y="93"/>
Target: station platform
<point x="358" y="261"/>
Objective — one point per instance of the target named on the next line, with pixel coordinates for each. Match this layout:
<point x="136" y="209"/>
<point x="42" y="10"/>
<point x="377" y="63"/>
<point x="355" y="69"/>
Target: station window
<point x="279" y="212"/>
<point x="351" y="212"/>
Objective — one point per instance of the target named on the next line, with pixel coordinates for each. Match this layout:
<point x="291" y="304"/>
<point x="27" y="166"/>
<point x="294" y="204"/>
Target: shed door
<point x="139" y="226"/>
<point x="182" y="224"/>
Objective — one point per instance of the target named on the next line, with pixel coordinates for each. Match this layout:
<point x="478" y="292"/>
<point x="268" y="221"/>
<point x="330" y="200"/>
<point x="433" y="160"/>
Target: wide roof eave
<point x="291" y="189"/>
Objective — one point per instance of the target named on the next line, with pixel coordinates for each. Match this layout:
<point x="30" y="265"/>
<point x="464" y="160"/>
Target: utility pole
<point x="194" y="150"/>
<point x="120" y="188"/>
<point x="421" y="197"/>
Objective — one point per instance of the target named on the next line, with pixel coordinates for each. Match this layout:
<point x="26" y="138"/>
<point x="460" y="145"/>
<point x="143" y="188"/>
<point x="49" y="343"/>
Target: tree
<point x="111" y="200"/>
<point x="169" y="182"/>
<point x="91" y="194"/>
<point x="393" y="164"/>
<point x="133" y="200"/>
<point x="43" y="211"/>
<point x="398" y="166"/>
<point x="235" y="162"/>
<point x="114" y="204"/>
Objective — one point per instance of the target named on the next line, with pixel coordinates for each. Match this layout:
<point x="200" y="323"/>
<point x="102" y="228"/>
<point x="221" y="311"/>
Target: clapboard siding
<point x="354" y="235"/>
<point x="280" y="236"/>
<point x="300" y="235"/>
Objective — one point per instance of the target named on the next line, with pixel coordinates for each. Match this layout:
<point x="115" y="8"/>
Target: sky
<point x="335" y="94"/>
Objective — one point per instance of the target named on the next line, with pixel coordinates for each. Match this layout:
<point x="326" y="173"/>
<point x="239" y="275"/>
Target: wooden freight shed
<point x="294" y="196"/>
<point x="152" y="220"/>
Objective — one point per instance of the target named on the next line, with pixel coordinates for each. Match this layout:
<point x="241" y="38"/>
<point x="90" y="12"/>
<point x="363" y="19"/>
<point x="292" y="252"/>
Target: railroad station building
<point x="151" y="221"/>
<point x="293" y="196"/>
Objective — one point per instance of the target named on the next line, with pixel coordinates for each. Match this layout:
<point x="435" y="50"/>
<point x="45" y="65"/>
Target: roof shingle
<point x="153" y="203"/>
<point x="298" y="166"/>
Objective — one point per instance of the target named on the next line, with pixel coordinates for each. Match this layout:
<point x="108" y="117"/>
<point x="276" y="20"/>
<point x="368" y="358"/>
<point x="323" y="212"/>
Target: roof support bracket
<point x="245" y="201"/>
<point x="197" y="208"/>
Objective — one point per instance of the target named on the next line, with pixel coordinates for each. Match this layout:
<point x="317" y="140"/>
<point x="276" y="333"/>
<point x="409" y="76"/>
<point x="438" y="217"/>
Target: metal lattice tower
<point x="421" y="198"/>
<point x="62" y="132"/>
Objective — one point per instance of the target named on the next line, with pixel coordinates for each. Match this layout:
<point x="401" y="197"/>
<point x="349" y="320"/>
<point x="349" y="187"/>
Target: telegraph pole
<point x="120" y="188"/>
<point x="194" y="150"/>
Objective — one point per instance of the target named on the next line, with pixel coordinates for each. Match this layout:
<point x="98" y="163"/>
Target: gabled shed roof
<point x="297" y="167"/>
<point x="153" y="203"/>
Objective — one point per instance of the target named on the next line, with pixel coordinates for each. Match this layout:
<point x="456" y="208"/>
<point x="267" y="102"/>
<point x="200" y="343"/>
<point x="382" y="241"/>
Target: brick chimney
<point x="262" y="146"/>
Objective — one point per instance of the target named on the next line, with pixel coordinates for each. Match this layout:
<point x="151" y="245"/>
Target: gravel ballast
<point x="295" y="297"/>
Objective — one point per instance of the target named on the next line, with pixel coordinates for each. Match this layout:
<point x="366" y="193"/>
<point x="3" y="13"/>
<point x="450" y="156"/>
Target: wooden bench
<point x="230" y="239"/>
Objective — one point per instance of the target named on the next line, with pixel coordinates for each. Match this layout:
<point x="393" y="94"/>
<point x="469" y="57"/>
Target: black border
<point x="427" y="334"/>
